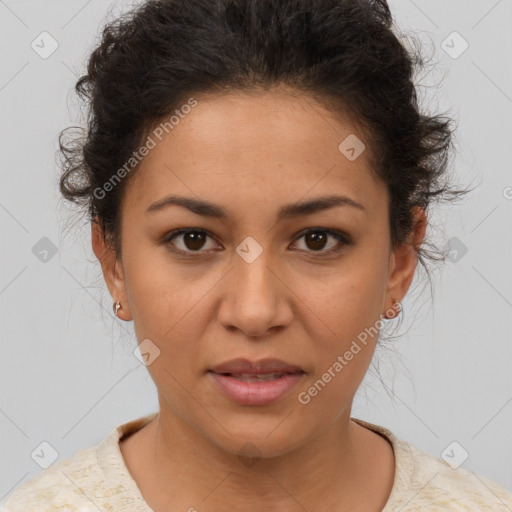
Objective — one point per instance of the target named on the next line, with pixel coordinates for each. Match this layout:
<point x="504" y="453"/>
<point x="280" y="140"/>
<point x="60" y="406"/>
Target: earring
<point x="117" y="306"/>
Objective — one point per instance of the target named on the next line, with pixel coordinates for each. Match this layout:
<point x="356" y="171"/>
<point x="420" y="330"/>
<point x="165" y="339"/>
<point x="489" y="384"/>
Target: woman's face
<point x="254" y="283"/>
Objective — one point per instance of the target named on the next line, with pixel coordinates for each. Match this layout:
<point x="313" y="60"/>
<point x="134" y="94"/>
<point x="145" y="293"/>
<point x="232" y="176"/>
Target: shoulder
<point x="426" y="482"/>
<point x="435" y="485"/>
<point x="63" y="484"/>
<point x="95" y="478"/>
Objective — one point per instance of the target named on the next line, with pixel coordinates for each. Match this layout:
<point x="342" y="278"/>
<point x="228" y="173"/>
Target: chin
<point x="257" y="437"/>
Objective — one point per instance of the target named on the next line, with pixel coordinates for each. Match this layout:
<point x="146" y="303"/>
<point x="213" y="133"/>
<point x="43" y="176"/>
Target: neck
<point x="342" y="468"/>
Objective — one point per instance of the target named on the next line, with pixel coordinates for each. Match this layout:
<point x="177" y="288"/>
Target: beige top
<point x="97" y="478"/>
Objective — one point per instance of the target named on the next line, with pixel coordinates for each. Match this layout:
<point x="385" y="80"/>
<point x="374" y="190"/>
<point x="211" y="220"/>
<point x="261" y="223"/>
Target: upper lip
<point x="269" y="365"/>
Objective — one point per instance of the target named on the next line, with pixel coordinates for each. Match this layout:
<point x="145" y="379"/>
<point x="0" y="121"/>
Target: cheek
<point x="166" y="298"/>
<point x="344" y="343"/>
<point x="151" y="286"/>
<point x="345" y="313"/>
<point x="167" y="311"/>
<point x="350" y="302"/>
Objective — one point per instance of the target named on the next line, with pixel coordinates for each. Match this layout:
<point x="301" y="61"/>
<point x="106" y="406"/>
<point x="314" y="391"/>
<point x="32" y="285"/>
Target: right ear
<point x="111" y="267"/>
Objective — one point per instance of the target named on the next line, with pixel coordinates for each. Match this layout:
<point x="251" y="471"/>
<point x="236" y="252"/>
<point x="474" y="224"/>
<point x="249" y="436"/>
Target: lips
<point x="251" y="383"/>
<point x="260" y="370"/>
<point x="259" y="389"/>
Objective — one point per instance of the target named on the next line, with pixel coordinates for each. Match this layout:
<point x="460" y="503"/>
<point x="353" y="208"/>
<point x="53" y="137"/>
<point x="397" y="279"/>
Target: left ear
<point x="404" y="259"/>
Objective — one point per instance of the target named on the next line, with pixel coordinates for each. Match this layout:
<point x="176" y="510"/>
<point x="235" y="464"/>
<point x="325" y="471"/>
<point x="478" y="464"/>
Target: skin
<point x="252" y="153"/>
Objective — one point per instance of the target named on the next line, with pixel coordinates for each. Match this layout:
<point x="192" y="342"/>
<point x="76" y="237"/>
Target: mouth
<point x="259" y="377"/>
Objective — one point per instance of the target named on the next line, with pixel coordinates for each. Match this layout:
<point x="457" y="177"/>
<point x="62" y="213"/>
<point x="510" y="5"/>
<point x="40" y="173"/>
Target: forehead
<point x="274" y="145"/>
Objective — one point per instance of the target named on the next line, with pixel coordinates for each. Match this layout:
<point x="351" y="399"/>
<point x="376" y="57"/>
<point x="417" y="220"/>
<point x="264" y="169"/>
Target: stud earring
<point x="117" y="306"/>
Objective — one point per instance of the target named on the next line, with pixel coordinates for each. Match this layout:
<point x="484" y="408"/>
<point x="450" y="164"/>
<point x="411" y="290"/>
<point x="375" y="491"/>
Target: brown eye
<point x="317" y="240"/>
<point x="194" y="240"/>
<point x="188" y="240"/>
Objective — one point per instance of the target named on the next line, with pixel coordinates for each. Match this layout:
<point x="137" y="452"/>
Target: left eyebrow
<point x="317" y="205"/>
<point x="207" y="209"/>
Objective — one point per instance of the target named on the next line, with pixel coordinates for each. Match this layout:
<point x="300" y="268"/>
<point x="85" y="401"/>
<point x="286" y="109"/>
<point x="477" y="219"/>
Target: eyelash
<point x="338" y="235"/>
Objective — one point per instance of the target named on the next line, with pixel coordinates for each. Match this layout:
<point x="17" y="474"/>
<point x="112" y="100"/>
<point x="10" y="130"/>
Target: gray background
<point x="68" y="375"/>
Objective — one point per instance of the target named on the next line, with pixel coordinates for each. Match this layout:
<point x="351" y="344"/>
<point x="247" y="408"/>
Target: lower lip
<point x="256" y="393"/>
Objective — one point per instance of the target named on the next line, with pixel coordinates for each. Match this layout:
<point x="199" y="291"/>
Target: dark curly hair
<point x="342" y="52"/>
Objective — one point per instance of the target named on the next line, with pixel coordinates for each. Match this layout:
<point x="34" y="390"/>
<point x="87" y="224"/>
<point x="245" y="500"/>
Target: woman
<point x="257" y="175"/>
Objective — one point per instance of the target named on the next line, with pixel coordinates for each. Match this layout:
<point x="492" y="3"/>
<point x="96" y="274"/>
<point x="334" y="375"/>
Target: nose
<point x="256" y="300"/>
